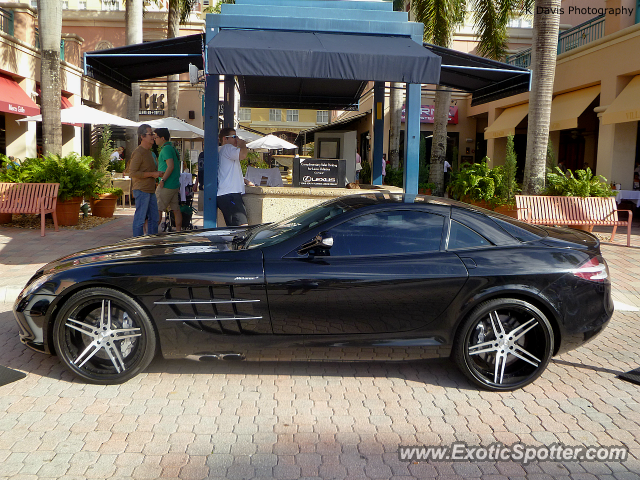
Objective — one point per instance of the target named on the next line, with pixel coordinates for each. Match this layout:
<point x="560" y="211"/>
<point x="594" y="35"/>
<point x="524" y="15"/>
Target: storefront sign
<point x="16" y="109"/>
<point x="427" y="112"/>
<point x="151" y="104"/>
<point x="316" y="172"/>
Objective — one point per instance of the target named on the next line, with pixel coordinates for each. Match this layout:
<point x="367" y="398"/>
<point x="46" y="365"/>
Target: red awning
<point x="64" y="102"/>
<point x="14" y="100"/>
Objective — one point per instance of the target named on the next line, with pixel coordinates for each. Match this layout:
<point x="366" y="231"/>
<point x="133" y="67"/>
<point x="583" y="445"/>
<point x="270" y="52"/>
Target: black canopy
<point x="120" y="67"/>
<point x="308" y="70"/>
<point x="487" y="80"/>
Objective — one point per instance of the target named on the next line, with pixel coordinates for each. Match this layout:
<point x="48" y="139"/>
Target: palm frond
<point x="440" y="18"/>
<point x="491" y="18"/>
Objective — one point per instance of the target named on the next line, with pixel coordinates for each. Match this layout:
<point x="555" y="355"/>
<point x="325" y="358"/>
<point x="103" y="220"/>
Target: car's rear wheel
<point x="104" y="336"/>
<point x="504" y="344"/>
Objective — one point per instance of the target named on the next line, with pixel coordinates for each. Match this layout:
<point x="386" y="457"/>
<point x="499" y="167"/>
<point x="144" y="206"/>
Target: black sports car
<point x="361" y="277"/>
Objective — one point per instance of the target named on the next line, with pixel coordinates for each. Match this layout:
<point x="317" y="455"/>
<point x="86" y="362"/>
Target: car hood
<point x="139" y="248"/>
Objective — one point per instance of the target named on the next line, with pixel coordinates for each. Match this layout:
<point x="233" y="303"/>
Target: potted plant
<point x="72" y="172"/>
<point x="475" y="183"/>
<point x="504" y="201"/>
<point x="426" y="188"/>
<point x="581" y="183"/>
<point x="103" y="196"/>
<point x="103" y="201"/>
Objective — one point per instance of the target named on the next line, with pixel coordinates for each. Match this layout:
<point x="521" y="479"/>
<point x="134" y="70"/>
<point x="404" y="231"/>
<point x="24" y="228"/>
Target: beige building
<point x="596" y="107"/>
<point x="87" y="25"/>
<point x="284" y="123"/>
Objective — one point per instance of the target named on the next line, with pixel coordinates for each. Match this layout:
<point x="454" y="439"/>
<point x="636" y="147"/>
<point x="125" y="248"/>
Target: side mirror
<point x="320" y="241"/>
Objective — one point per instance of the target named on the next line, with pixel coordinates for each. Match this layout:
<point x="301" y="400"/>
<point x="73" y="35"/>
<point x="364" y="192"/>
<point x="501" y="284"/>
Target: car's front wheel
<point x="104" y="336"/>
<point x="504" y="344"/>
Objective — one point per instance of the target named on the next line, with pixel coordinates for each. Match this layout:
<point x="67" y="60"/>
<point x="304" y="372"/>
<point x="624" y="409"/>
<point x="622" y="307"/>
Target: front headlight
<point x="32" y="287"/>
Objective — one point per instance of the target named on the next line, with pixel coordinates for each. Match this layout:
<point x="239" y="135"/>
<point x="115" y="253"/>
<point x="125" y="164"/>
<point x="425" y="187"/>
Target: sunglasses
<point x="231" y="136"/>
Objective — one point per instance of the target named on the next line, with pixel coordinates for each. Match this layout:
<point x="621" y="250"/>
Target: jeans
<point x="146" y="208"/>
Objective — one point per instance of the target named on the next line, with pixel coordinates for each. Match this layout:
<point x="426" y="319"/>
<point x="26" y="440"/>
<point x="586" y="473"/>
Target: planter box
<point x="5" y="218"/>
<point x="584" y="228"/>
<point x="477" y="203"/>
<point x="508" y="210"/>
<point x="67" y="212"/>
<point x="104" y="205"/>
<point x="424" y="191"/>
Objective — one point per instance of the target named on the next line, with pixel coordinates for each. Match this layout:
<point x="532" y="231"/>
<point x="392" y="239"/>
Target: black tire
<point x="510" y="332"/>
<point x="104" y="336"/>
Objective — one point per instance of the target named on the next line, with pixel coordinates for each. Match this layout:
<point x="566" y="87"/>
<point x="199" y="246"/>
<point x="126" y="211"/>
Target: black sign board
<point x="318" y="172"/>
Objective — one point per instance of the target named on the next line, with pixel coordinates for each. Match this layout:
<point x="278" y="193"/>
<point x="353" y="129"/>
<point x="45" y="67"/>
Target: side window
<point x="461" y="236"/>
<point x="389" y="233"/>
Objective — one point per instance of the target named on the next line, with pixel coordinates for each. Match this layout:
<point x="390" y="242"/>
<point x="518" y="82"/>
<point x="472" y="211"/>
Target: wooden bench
<point x="547" y="210"/>
<point x="30" y="198"/>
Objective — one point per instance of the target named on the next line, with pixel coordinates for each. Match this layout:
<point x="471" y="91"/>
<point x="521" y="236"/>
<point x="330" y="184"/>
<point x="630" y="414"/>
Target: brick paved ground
<point x="322" y="420"/>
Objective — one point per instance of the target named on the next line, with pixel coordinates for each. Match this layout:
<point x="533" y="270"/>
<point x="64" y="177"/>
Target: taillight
<point x="593" y="270"/>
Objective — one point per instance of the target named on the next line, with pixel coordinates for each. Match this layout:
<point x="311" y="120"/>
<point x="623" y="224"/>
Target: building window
<point x="82" y="5"/>
<point x="275" y="115"/>
<point x="110" y="5"/>
<point x="292" y="115"/>
<point x="244" y="115"/>
<point x="34" y="3"/>
<point x="322" y="116"/>
<point x="521" y="22"/>
<point x="65" y="4"/>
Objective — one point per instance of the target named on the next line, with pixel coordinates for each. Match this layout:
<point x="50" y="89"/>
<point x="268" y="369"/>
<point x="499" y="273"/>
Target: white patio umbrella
<point x="177" y="128"/>
<point x="270" y="142"/>
<point x="86" y="114"/>
<point x="247" y="136"/>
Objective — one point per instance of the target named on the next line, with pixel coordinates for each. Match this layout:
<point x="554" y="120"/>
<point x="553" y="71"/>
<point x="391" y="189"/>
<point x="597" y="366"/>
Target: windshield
<point x="301" y="222"/>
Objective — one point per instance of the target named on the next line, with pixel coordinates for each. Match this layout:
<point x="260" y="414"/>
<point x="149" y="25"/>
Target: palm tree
<point x="50" y="31"/>
<point x="133" y="21"/>
<point x="179" y="11"/>
<point x="543" y="65"/>
<point x="440" y="19"/>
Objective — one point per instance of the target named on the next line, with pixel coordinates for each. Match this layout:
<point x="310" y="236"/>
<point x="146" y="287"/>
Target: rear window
<point x="521" y="231"/>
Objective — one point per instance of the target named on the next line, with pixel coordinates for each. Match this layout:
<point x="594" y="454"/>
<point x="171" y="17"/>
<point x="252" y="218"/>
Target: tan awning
<point x="566" y="108"/>
<point x="507" y="122"/>
<point x="626" y="106"/>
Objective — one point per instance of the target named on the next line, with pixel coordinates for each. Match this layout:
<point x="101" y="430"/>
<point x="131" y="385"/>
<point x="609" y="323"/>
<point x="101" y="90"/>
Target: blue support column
<point x="229" y="101"/>
<point x="211" y="95"/>
<point x="412" y="138"/>
<point x="378" y="133"/>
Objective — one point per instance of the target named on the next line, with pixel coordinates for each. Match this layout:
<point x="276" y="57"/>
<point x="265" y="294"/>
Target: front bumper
<point x="30" y="313"/>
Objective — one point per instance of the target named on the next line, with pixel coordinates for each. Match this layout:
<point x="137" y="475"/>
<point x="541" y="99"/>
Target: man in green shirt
<point x="168" y="191"/>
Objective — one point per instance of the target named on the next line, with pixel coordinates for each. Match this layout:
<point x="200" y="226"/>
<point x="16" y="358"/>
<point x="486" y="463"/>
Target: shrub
<point x="581" y="183"/>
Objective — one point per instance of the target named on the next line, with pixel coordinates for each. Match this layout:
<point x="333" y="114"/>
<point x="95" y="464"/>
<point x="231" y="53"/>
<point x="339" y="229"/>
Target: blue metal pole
<point x="211" y="150"/>
<point x="378" y="133"/>
<point x="412" y="138"/>
<point x="211" y="98"/>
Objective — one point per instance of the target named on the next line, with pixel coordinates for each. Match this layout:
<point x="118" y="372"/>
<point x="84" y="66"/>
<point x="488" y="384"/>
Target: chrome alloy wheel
<point x="104" y="336"/>
<point x="504" y="344"/>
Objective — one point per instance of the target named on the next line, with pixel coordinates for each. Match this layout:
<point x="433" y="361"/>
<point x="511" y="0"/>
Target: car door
<point x="385" y="273"/>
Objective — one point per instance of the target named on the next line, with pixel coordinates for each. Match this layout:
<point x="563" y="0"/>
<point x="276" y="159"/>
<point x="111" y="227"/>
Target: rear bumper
<point x="585" y="309"/>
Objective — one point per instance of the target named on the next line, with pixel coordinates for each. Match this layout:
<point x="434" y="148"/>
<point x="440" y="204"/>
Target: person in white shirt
<point x="230" y="180"/>
<point x="447" y="173"/>
<point x="115" y="155"/>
